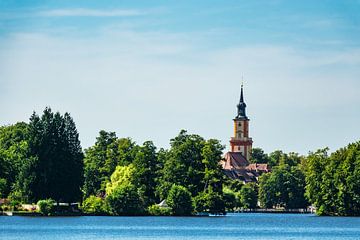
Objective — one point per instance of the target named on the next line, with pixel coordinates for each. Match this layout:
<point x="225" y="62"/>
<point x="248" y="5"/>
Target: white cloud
<point x="85" y="12"/>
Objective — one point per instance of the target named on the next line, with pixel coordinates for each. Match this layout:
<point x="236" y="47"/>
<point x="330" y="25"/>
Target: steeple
<point x="241" y="106"/>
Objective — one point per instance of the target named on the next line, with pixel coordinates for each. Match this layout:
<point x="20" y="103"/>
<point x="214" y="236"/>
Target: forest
<point x="42" y="162"/>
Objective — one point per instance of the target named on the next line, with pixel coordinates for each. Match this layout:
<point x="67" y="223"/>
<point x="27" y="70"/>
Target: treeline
<point x="43" y="160"/>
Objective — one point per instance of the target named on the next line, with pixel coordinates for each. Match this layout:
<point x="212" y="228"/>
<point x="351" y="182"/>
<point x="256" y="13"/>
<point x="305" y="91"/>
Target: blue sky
<point x="147" y="69"/>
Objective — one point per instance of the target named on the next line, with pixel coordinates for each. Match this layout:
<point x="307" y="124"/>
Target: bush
<point x="156" y="210"/>
<point x="179" y="200"/>
<point x="46" y="207"/>
<point x="94" y="205"/>
<point x="124" y="200"/>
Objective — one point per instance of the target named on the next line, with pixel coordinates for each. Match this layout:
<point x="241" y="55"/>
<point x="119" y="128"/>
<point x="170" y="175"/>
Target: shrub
<point x="46" y="207"/>
<point x="124" y="200"/>
<point x="94" y="205"/>
<point x="156" y="210"/>
<point x="179" y="200"/>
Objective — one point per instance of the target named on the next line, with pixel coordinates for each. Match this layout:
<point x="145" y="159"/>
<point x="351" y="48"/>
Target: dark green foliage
<point x="230" y="200"/>
<point x="57" y="168"/>
<point x="125" y="200"/>
<point x="146" y="171"/>
<point x="46" y="207"/>
<point x="183" y="165"/>
<point x="101" y="160"/>
<point x="179" y="200"/>
<point x="248" y="196"/>
<point x="3" y="186"/>
<point x="258" y="156"/>
<point x="283" y="187"/>
<point x="94" y="205"/>
<point x="333" y="182"/>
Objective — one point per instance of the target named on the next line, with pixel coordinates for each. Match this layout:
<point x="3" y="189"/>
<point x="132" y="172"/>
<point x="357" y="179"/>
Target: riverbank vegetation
<point x="42" y="162"/>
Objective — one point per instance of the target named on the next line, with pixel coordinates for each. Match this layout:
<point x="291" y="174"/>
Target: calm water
<point x="236" y="226"/>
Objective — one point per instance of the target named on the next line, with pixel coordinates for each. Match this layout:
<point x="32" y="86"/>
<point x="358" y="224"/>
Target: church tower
<point x="241" y="142"/>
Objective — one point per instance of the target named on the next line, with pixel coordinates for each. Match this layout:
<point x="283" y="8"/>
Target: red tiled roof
<point x="234" y="160"/>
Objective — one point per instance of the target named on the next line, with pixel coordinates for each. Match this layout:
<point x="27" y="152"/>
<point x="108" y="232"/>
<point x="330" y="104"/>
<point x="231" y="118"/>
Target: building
<point x="236" y="162"/>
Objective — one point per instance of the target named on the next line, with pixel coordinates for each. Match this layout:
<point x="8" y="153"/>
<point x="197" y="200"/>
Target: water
<point x="232" y="226"/>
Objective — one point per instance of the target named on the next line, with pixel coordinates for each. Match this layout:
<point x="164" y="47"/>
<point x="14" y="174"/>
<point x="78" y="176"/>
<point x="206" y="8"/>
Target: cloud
<point x="86" y="12"/>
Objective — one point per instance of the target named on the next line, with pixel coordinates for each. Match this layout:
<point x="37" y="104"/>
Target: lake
<point x="232" y="226"/>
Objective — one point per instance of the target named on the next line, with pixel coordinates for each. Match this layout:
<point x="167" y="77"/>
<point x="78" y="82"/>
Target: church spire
<point x="242" y="94"/>
<point x="241" y="106"/>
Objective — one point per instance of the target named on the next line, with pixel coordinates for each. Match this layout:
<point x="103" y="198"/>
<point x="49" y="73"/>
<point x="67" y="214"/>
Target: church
<point x="236" y="163"/>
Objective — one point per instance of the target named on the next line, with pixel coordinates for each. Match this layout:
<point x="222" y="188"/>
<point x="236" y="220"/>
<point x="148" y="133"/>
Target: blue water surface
<point x="232" y="226"/>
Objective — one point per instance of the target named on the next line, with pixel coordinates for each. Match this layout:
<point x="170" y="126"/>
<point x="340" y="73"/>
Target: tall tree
<point x="102" y="158"/>
<point x="56" y="170"/>
<point x="183" y="165"/>
<point x="146" y="165"/>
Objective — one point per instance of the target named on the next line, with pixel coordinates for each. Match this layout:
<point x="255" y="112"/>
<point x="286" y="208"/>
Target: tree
<point x="57" y="167"/>
<point x="124" y="200"/>
<point x="122" y="176"/>
<point x="183" y="165"/>
<point x="248" y="196"/>
<point x="283" y="187"/>
<point x="333" y="181"/>
<point x="258" y="156"/>
<point x="179" y="200"/>
<point x="94" y="161"/>
<point x="14" y="153"/>
<point x="102" y="158"/>
<point x="146" y="171"/>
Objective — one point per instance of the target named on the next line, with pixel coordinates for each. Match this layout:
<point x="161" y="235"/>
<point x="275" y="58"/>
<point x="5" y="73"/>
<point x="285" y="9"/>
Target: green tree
<point x="125" y="200"/>
<point x="102" y="158"/>
<point x="333" y="181"/>
<point x="258" y="156"/>
<point x="179" y="200"/>
<point x="57" y="167"/>
<point x="94" y="162"/>
<point x="146" y="171"/>
<point x="122" y="176"/>
<point x="14" y="153"/>
<point x="183" y="165"/>
<point x="248" y="196"/>
<point x="283" y="187"/>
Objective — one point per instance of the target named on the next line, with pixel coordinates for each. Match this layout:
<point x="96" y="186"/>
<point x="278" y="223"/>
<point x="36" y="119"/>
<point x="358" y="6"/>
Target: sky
<point x="147" y="69"/>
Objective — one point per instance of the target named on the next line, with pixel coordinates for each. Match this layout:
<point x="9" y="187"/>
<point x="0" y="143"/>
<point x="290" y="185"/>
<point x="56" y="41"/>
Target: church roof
<point x="234" y="160"/>
<point x="262" y="167"/>
<point x="236" y="166"/>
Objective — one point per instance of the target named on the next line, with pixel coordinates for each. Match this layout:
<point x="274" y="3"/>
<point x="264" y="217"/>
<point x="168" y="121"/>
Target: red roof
<point x="236" y="166"/>
<point x="234" y="160"/>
